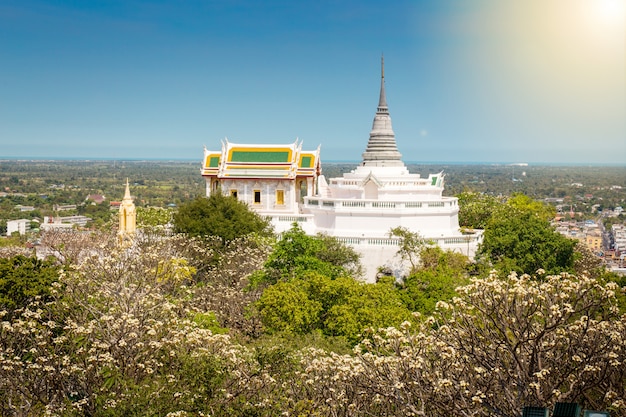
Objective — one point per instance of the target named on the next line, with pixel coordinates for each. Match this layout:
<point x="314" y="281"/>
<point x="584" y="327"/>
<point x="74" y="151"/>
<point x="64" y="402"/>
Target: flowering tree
<point x="72" y="246"/>
<point x="123" y="335"/>
<point x="502" y="344"/>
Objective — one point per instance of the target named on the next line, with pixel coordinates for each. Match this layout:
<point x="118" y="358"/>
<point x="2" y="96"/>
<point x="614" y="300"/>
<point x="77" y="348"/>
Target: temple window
<point x="233" y="193"/>
<point x="257" y="196"/>
<point x="280" y="197"/>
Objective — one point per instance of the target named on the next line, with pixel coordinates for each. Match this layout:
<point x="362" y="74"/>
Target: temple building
<point x="360" y="208"/>
<point x="272" y="179"/>
<point x="127" y="218"/>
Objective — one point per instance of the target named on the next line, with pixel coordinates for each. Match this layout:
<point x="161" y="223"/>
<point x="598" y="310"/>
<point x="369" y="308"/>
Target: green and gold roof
<point x="261" y="161"/>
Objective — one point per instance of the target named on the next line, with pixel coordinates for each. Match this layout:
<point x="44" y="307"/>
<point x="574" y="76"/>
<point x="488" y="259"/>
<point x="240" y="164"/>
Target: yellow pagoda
<point x="127" y="218"/>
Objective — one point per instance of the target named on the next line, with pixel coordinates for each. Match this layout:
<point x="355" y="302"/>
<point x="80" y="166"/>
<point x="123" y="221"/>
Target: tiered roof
<point x="261" y="161"/>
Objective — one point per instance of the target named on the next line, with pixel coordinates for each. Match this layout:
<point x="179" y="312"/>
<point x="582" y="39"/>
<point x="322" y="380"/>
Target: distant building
<point x="51" y="222"/>
<point x="64" y="222"/>
<point x="64" y="207"/>
<point x="77" y="220"/>
<point x="285" y="184"/>
<point x="593" y="241"/>
<point x="21" y="226"/>
<point x="96" y="198"/>
<point x="619" y="238"/>
<point x="22" y="208"/>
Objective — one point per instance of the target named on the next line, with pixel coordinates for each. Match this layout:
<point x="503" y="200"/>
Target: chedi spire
<point x="382" y="150"/>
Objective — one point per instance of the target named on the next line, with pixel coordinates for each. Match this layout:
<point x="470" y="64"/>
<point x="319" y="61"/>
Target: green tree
<point x="366" y="306"/>
<point x="436" y="279"/>
<point x="153" y="216"/>
<point x="524" y="242"/>
<point x="340" y="307"/>
<point x="219" y="215"/>
<point x="288" y="307"/>
<point x="411" y="245"/>
<point x="297" y="253"/>
<point x="519" y="203"/>
<point x="23" y="278"/>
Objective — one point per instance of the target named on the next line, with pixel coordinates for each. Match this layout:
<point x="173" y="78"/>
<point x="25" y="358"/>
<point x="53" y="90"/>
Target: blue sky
<point x="466" y="80"/>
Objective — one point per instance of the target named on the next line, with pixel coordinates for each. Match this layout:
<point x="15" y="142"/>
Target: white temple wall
<point x="268" y="188"/>
<point x="378" y="224"/>
<point x="374" y="257"/>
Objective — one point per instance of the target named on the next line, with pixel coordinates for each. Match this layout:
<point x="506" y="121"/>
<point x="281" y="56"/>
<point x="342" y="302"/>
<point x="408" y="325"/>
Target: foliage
<point x="475" y="209"/>
<point x="219" y="215"/>
<point x="524" y="242"/>
<point x="411" y="245"/>
<point x="296" y="253"/>
<point x="518" y="237"/>
<point x="153" y="217"/>
<point x="22" y="279"/>
<point x="436" y="279"/>
<point x="287" y="307"/>
<point x="340" y="307"/>
<point x="519" y="203"/>
<point x="100" y="214"/>
<point x="71" y="246"/>
<point x="223" y="276"/>
<point x="586" y="263"/>
<point x="434" y="273"/>
<point x="12" y="241"/>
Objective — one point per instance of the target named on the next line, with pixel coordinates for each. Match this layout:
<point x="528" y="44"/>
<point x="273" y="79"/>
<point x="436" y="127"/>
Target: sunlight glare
<point x="609" y="11"/>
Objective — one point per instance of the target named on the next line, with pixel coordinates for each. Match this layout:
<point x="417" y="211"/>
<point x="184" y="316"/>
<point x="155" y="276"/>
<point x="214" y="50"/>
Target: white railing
<point x="441" y="241"/>
<point x="358" y="183"/>
<point x="339" y="204"/>
<point x="289" y="219"/>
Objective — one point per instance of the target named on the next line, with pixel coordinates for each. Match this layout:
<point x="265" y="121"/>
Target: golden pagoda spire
<point x="127" y="217"/>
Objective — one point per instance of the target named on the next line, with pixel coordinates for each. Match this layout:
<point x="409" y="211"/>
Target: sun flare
<point x="608" y="12"/>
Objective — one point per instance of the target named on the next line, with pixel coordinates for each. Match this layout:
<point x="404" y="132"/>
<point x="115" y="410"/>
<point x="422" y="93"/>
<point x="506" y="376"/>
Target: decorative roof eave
<point x="436" y="180"/>
<point x="371" y="177"/>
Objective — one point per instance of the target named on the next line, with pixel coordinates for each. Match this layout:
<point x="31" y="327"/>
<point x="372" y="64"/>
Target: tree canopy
<point x="296" y="253"/>
<point x="23" y="278"/>
<point x="219" y="215"/>
<point x="524" y="242"/>
<point x="336" y="307"/>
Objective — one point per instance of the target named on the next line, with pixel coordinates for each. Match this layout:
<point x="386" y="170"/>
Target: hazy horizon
<point x="355" y="162"/>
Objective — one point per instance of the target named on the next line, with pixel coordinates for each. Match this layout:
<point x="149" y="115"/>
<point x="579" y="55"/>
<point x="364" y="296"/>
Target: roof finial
<point x="382" y="102"/>
<point x="127" y="191"/>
